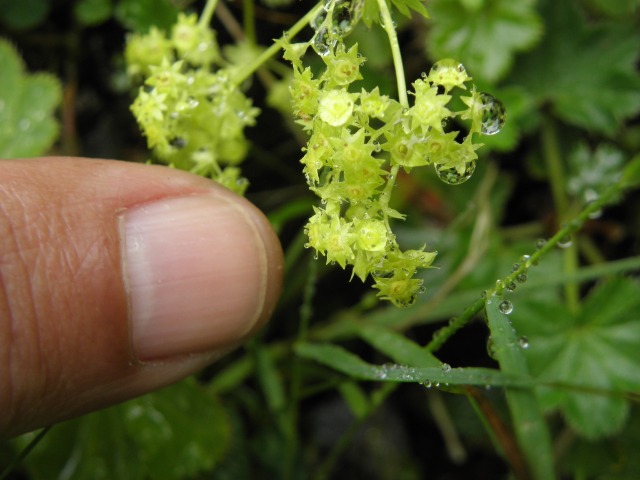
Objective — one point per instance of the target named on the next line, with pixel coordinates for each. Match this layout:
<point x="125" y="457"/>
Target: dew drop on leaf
<point x="493" y="114"/>
<point x="453" y="176"/>
<point x="523" y="342"/>
<point x="446" y="368"/>
<point x="505" y="307"/>
<point x="491" y="348"/>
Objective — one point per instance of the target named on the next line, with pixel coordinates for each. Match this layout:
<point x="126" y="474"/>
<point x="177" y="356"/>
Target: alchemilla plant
<point x="369" y="145"/>
<point x="193" y="112"/>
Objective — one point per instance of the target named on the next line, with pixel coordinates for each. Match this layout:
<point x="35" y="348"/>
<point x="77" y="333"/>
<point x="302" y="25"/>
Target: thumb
<point x="117" y="279"/>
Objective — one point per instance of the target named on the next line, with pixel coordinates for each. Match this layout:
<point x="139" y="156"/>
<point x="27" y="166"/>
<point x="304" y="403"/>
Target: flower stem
<point x="389" y="27"/>
<point x="207" y="13"/>
<point x="266" y="55"/>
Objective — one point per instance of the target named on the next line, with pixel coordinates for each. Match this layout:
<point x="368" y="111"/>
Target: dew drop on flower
<point x="505" y="307"/>
<point x="321" y="42"/>
<point x="318" y="20"/>
<point x="452" y="176"/>
<point x="523" y="342"/>
<point x="446" y="368"/>
<point x="341" y="22"/>
<point x="493" y="114"/>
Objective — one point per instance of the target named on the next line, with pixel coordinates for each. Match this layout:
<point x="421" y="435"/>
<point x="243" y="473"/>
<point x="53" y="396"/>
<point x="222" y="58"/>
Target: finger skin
<point x="65" y="345"/>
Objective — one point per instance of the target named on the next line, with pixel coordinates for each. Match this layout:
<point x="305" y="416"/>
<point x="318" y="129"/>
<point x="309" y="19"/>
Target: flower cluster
<point x="188" y="107"/>
<point x="358" y="140"/>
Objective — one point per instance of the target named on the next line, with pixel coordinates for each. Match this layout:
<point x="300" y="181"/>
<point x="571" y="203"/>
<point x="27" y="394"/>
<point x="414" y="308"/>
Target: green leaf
<point x="171" y="434"/>
<point x="141" y="15"/>
<point x="92" y="12"/>
<point x="371" y="11"/>
<point x="485" y="38"/>
<point x="528" y="422"/>
<point x="587" y="71"/>
<point x="343" y="361"/>
<point x="355" y="397"/>
<point x="27" y="102"/>
<point x="597" y="348"/>
<point x="24" y="14"/>
<point x="396" y="346"/>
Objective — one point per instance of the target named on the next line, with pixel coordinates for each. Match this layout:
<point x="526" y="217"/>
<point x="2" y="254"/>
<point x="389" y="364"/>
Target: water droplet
<point x="24" y="124"/>
<point x="505" y="307"/>
<point x="493" y="114"/>
<point x="423" y="75"/>
<point x="341" y="19"/>
<point x="452" y="176"/>
<point x="511" y="286"/>
<point x="178" y="142"/>
<point x="491" y="348"/>
<point x="540" y="244"/>
<point x="521" y="278"/>
<point x="499" y="285"/>
<point x="516" y="267"/>
<point x="526" y="260"/>
<point x="565" y="242"/>
<point x="318" y="20"/>
<point x="427" y="383"/>
<point x="523" y="342"/>
<point x="446" y="368"/>
<point x="321" y="42"/>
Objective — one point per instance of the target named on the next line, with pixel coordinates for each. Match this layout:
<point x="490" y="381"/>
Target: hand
<point x="119" y="278"/>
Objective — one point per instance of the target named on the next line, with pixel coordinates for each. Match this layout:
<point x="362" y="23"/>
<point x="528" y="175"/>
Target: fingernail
<point x="195" y="273"/>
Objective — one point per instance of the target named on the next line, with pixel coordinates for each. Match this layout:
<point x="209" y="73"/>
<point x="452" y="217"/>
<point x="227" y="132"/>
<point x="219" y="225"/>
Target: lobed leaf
<point x="588" y="72"/>
<point x="167" y="435"/>
<point x="484" y="37"/>
<point x="595" y="347"/>
<point x="27" y="102"/>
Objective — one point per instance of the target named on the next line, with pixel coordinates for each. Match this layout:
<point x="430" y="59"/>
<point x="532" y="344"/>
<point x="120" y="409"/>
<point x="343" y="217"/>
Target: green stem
<point x="306" y="312"/>
<point x="553" y="162"/>
<point x="266" y="55"/>
<point x="389" y="27"/>
<point x="442" y="335"/>
<point x="249" y="21"/>
<point x="207" y="13"/>
<point x="23" y="454"/>
<point x="377" y="398"/>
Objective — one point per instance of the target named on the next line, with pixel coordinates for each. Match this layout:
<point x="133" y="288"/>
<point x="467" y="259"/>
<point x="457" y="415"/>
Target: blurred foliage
<point x="27" y="101"/>
<point x="335" y="387"/>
